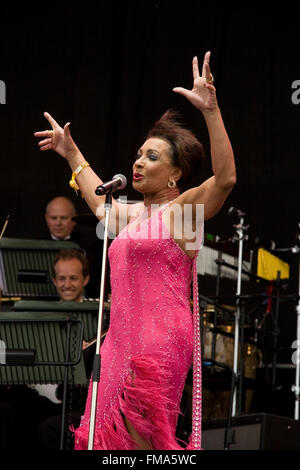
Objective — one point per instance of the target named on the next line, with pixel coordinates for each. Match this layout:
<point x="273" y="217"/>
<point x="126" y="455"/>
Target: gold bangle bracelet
<point x="75" y="173"/>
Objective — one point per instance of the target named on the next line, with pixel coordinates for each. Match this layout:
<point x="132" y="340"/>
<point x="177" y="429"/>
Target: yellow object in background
<point x="268" y="265"/>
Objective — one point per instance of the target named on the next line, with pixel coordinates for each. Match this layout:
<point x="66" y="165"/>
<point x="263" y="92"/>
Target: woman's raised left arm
<point x="214" y="191"/>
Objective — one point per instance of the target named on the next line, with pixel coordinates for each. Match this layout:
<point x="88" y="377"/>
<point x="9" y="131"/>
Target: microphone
<point x="118" y="182"/>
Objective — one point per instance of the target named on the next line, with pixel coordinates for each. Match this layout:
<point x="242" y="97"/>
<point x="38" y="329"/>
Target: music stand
<point x="56" y="341"/>
<point x="86" y="311"/>
<point x="26" y="267"/>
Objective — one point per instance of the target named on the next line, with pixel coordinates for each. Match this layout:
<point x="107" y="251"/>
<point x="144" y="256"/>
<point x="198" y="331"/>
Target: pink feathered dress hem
<point x="145" y="404"/>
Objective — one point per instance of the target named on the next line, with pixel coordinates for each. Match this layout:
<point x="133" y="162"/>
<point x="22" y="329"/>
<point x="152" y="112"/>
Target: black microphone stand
<point x="97" y="357"/>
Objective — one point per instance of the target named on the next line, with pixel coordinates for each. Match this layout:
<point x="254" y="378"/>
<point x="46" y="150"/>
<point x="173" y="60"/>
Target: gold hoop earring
<point x="171" y="184"/>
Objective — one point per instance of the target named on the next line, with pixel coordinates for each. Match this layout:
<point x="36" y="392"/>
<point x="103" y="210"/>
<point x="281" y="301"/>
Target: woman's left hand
<point x="203" y="94"/>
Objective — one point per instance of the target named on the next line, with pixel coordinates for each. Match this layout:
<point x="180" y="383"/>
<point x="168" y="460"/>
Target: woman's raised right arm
<point x="60" y="140"/>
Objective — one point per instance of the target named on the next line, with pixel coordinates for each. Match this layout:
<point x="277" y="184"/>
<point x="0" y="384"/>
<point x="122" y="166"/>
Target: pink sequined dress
<point x="148" y="349"/>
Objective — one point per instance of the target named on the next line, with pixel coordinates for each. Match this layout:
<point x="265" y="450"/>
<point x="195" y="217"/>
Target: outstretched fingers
<point x="46" y="147"/>
<point x="47" y="135"/>
<point x="67" y="129"/>
<point x="205" y="65"/>
<point x="207" y="72"/>
<point x="183" y="91"/>
<point x="45" y="144"/>
<point x="51" y="120"/>
<point x="195" y="66"/>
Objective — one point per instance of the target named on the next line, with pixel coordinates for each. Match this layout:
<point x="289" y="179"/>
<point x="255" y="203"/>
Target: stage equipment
<point x="240" y="236"/>
<point x="276" y="272"/>
<point x="216" y="251"/>
<point x="295" y="250"/>
<point x="221" y="259"/>
<point x="254" y="432"/>
<point x="211" y="362"/>
<point x="269" y="265"/>
<point x="239" y="313"/>
<point x="42" y="348"/>
<point x="272" y="273"/>
<point x="86" y="312"/>
<point x="26" y="267"/>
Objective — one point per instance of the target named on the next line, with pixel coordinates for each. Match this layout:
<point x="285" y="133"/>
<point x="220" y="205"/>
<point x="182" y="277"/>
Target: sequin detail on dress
<point x="148" y="349"/>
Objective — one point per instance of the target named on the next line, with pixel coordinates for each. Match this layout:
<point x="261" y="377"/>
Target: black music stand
<point x="53" y="343"/>
<point x="26" y="267"/>
<point x="86" y="311"/>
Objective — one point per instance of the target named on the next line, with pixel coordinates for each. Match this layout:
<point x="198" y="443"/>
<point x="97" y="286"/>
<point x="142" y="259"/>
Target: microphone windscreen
<point x="123" y="180"/>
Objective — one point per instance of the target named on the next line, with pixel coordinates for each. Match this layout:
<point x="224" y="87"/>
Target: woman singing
<point x="153" y="336"/>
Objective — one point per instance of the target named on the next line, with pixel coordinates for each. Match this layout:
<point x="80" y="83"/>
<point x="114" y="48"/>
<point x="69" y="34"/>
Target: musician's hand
<point x="58" y="139"/>
<point x="203" y="94"/>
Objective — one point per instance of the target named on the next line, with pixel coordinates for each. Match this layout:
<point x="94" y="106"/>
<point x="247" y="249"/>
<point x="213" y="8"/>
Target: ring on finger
<point x="50" y="134"/>
<point x="210" y="79"/>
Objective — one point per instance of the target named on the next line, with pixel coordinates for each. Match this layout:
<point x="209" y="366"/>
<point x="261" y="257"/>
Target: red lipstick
<point x="137" y="177"/>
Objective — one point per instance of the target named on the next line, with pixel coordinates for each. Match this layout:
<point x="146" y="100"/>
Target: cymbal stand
<point x="276" y="332"/>
<point x="241" y="349"/>
<point x="296" y="249"/>
<point x="297" y="384"/>
<point x="240" y="237"/>
<point x="296" y="388"/>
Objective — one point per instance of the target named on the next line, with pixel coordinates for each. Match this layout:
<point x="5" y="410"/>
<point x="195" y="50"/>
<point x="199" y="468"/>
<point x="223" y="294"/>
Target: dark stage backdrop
<point x="109" y="69"/>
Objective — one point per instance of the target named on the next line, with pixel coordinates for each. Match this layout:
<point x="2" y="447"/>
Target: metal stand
<point x="297" y="382"/>
<point x="240" y="229"/>
<point x="296" y="249"/>
<point x="276" y="332"/>
<point x="296" y="388"/>
<point x="40" y="343"/>
<point x="97" y="358"/>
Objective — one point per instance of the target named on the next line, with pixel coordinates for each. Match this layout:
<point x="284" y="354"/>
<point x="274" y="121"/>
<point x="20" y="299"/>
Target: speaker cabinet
<point x="252" y="432"/>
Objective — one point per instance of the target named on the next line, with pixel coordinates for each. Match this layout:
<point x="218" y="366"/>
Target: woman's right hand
<point x="58" y="139"/>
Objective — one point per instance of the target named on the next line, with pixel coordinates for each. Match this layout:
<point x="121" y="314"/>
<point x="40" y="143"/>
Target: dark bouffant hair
<point x="187" y="152"/>
<point x="71" y="253"/>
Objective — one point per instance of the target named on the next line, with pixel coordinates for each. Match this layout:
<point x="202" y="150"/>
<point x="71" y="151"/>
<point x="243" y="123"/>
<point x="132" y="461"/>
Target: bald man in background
<point x="59" y="215"/>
